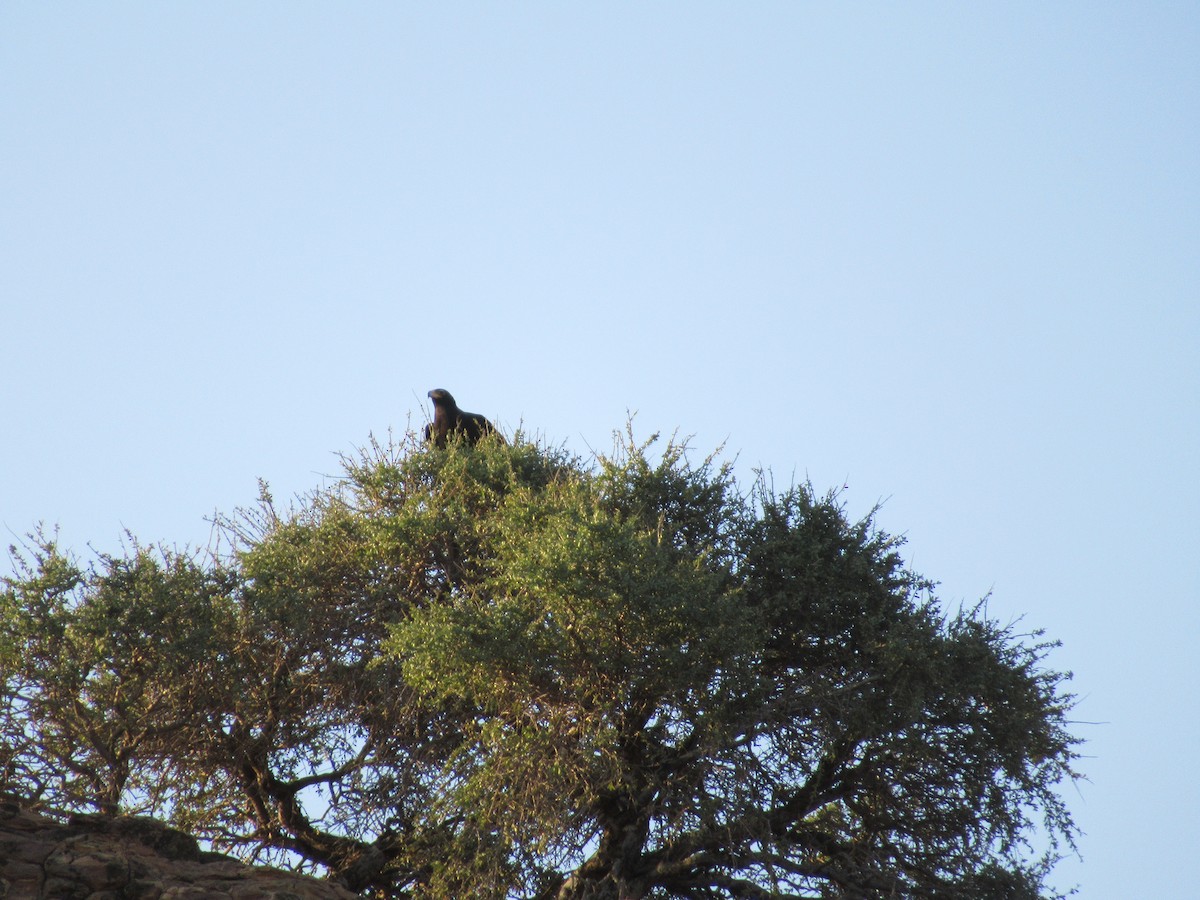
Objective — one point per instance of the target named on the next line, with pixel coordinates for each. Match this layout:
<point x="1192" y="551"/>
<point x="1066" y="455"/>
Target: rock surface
<point x="103" y="858"/>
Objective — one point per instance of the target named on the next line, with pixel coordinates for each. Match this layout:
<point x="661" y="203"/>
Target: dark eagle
<point x="447" y="417"/>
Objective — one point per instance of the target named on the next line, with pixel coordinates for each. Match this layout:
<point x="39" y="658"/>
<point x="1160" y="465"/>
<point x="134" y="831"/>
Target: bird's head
<point x="441" y="397"/>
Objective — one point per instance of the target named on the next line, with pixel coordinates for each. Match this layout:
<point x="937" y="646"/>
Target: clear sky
<point x="946" y="255"/>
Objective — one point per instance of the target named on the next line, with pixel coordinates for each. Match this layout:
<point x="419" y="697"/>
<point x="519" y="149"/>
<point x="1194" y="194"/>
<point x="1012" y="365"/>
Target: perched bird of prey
<point x="447" y="417"/>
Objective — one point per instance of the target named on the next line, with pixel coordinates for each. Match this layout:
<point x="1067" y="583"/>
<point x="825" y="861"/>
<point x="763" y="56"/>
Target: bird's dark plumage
<point x="447" y="418"/>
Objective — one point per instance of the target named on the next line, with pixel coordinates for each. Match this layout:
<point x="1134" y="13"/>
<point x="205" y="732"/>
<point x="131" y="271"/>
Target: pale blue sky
<point x="944" y="254"/>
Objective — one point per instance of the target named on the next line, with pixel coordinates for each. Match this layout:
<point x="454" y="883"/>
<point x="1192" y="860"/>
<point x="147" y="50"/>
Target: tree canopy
<point x="505" y="671"/>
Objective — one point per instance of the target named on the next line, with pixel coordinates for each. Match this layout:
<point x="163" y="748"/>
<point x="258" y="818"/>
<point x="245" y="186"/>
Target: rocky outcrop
<point x="106" y="858"/>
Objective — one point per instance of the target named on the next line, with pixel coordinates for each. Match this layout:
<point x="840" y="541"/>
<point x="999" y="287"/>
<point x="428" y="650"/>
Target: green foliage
<point x="97" y="666"/>
<point x="504" y="671"/>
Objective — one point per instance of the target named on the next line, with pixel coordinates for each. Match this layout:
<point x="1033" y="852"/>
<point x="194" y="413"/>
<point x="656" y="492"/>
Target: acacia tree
<point x="504" y="671"/>
<point x="97" y="666"/>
